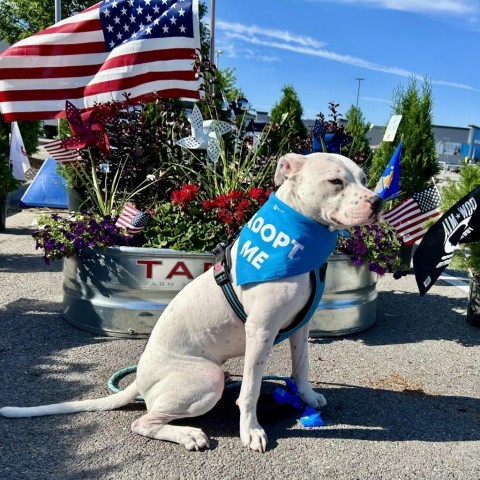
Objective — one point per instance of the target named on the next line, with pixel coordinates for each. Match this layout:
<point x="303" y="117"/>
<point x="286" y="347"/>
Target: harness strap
<point x="221" y="272"/>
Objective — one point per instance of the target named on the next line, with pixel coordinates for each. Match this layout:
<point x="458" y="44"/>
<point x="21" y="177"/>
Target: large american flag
<point x="114" y="47"/>
<point x="408" y="217"/>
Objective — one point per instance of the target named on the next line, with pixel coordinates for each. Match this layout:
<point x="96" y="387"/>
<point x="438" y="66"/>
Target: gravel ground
<point x="404" y="396"/>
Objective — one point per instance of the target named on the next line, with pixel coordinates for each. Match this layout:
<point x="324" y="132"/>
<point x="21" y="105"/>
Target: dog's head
<point x="328" y="188"/>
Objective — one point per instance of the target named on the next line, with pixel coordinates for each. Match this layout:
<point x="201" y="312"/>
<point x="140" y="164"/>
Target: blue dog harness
<point x="221" y="272"/>
<point x="278" y="242"/>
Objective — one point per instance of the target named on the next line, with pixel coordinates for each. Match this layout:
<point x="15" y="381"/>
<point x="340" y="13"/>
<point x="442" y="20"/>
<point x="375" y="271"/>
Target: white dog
<point x="179" y="374"/>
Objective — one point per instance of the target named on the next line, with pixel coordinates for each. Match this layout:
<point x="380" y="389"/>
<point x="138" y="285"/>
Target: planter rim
<point x="145" y="251"/>
<point x="170" y="251"/>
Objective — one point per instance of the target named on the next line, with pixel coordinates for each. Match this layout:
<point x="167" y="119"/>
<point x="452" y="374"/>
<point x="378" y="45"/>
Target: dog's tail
<point x="111" y="402"/>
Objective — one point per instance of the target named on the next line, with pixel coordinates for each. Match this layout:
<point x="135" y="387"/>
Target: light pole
<point x="358" y="90"/>
<point x="212" y="29"/>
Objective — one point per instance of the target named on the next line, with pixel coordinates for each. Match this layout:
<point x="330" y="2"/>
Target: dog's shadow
<point x="353" y="412"/>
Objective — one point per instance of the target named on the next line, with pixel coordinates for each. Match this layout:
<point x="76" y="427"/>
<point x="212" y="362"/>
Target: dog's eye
<point x="336" y="181"/>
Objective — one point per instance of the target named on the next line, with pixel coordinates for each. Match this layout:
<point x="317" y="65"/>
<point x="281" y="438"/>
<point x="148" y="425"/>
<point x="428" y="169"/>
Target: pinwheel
<point x="205" y="134"/>
<point x="88" y="128"/>
<point x="333" y="141"/>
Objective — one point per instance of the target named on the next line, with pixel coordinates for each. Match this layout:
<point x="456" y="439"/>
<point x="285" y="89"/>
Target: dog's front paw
<point x="254" y="438"/>
<point x="312" y="398"/>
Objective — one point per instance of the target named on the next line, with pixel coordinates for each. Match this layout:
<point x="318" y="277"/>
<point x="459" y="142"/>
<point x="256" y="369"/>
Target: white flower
<point x="151" y="178"/>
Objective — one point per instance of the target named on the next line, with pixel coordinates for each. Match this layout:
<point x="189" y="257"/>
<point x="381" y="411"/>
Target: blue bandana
<point x="278" y="242"/>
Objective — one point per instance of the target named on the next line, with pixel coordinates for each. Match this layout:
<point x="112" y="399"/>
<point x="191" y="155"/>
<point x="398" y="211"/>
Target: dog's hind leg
<point x="189" y="393"/>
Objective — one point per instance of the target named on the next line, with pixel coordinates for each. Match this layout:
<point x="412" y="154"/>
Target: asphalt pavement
<point x="403" y="396"/>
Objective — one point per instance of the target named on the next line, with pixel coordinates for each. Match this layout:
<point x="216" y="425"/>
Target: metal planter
<point x="121" y="291"/>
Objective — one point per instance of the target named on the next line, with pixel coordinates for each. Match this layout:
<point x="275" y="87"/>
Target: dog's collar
<point x="279" y="242"/>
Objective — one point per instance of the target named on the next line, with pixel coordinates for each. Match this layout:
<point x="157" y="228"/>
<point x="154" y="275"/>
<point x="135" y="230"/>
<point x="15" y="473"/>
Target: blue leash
<point x="310" y="418"/>
<point x="115" y="379"/>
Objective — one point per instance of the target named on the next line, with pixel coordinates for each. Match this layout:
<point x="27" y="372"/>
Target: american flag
<point x="408" y="217"/>
<point x="114" y="47"/>
<point x="61" y="154"/>
<point x="132" y="219"/>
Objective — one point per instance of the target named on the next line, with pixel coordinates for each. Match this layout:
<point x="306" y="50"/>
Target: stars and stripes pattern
<point x="61" y="154"/>
<point x="408" y="217"/>
<point x="112" y="48"/>
<point x="132" y="219"/>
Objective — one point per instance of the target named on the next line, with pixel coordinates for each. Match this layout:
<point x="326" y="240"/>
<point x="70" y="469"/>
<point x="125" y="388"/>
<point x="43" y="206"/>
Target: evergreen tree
<point x="290" y="133"/>
<point x="419" y="161"/>
<point x="357" y="128"/>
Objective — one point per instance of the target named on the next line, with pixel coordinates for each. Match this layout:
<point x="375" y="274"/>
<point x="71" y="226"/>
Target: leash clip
<point x="220" y="274"/>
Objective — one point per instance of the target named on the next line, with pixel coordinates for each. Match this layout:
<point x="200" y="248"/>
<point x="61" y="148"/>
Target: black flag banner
<point x="460" y="224"/>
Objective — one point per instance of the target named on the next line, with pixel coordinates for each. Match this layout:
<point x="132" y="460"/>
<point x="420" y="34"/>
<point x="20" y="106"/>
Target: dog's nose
<point x="376" y="203"/>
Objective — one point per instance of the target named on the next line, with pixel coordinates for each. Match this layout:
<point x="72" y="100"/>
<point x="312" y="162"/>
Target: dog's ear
<point x="287" y="165"/>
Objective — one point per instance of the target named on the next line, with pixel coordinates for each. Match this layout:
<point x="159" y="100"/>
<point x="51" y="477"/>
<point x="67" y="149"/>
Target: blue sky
<point x="321" y="47"/>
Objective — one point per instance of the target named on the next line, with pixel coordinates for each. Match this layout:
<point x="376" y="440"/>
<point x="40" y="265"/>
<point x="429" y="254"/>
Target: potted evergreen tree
<point x="419" y="162"/>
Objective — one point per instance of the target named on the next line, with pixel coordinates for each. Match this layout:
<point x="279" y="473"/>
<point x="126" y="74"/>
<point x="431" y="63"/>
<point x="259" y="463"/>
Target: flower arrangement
<point x="59" y="236"/>
<point x="195" y="222"/>
<point x="376" y="246"/>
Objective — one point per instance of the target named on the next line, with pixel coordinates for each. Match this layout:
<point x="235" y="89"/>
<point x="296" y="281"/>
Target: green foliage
<point x="30" y="132"/>
<point x="419" y="161"/>
<point x="227" y="83"/>
<point x="292" y="128"/>
<point x="192" y="230"/>
<point x="4" y="142"/>
<point x="376" y="246"/>
<point x="195" y="221"/>
<point x="63" y="128"/>
<point x="22" y="18"/>
<point x="7" y="182"/>
<point x="468" y="256"/>
<point x="357" y="128"/>
<point x="204" y="30"/>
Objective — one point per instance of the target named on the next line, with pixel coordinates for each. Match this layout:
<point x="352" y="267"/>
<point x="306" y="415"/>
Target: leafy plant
<point x="7" y="182"/>
<point x="376" y="246"/>
<point x="246" y="159"/>
<point x="142" y="155"/>
<point x="192" y="221"/>
<point x="419" y="158"/>
<point x="291" y="129"/>
<point x="60" y="236"/>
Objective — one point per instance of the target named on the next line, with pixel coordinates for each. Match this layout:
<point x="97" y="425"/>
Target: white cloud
<point x="234" y="28"/>
<point x="460" y="7"/>
<point x="308" y="46"/>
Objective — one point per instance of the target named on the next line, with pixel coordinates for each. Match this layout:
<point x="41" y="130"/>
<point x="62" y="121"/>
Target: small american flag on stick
<point x="132" y="219"/>
<point x="61" y="154"/>
<point x="408" y="217"/>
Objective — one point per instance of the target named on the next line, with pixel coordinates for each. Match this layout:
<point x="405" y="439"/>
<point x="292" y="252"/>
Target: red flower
<point x="185" y="196"/>
<point x="256" y="193"/>
<point x="208" y="205"/>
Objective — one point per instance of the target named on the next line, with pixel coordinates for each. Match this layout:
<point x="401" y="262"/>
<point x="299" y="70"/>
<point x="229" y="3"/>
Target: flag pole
<point x="212" y="39"/>
<point x="58" y="10"/>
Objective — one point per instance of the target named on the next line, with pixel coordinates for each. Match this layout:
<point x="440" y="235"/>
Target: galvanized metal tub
<point x="349" y="301"/>
<point x="121" y="291"/>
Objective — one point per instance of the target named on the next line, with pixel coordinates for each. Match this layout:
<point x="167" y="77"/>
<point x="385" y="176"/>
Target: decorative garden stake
<point x="205" y="134"/>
